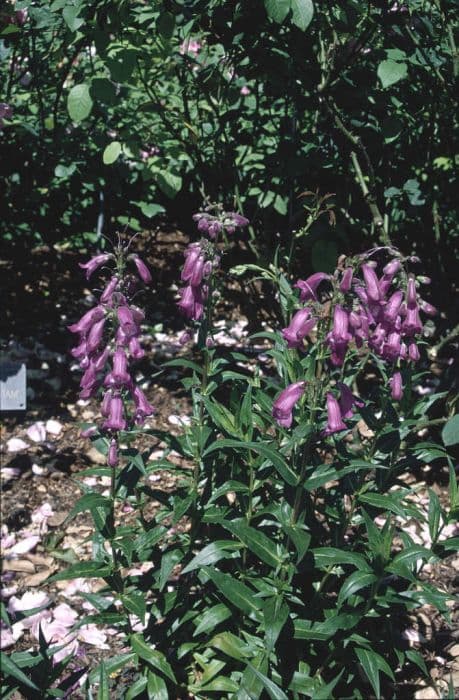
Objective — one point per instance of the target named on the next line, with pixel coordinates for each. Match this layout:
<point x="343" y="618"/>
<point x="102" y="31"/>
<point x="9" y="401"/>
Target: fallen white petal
<point x="25" y="545"/>
<point x="16" y="445"/>
<point x="53" y="427"/>
<point x="37" y="432"/>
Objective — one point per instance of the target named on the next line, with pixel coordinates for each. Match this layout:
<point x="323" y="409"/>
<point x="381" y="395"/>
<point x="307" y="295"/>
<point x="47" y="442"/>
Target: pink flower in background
<point x="190" y="46"/>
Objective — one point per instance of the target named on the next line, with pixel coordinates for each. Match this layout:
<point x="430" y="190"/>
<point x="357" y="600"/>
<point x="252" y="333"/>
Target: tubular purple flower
<point x="308" y="287"/>
<point x="80" y="350"/>
<point x="192" y="254"/>
<point x="392" y="307"/>
<point x="112" y="457"/>
<point x="391" y="349"/>
<point x="339" y="331"/>
<point x="428" y="308"/>
<point x="282" y="411"/>
<point x="203" y="224"/>
<point x="142" y="269"/>
<point x="125" y="316"/>
<point x="237" y="219"/>
<point x="100" y="360"/>
<point x="334" y="418"/>
<point x="105" y="405"/>
<point x="191" y="302"/>
<point x="214" y="229"/>
<point x="109" y="289"/>
<point x="86" y="321"/>
<point x="119" y="376"/>
<point x="346" y="280"/>
<point x="413" y="352"/>
<point x="116" y="419"/>
<point x="362" y="295"/>
<point x="95" y="335"/>
<point x="377" y="338"/>
<point x="392" y="267"/>
<point x="354" y="320"/>
<point x="143" y="407"/>
<point x="412" y="323"/>
<point x="396" y="387"/>
<point x="371" y="283"/>
<point x="347" y="400"/>
<point x="298" y="328"/>
<point x="89" y="378"/>
<point x="390" y="270"/>
<point x="411" y="296"/>
<point x="96" y="262"/>
<point x="135" y="349"/>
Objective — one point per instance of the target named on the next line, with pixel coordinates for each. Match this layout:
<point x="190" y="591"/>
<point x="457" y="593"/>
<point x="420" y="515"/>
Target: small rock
<point x="95" y="456"/>
<point x="57" y="519"/>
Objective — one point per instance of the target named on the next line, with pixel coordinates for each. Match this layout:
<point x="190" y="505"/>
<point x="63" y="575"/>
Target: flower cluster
<point x="379" y="313"/>
<point x="108" y="342"/>
<point x="213" y="224"/>
<point x="202" y="258"/>
<point x="382" y="313"/>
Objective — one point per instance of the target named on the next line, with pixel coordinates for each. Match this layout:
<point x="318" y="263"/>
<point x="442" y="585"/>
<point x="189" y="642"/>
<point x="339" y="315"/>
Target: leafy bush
<point x="121" y="109"/>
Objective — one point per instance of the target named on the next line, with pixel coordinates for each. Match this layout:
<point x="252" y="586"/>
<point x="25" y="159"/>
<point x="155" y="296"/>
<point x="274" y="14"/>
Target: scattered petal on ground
<point x="28" y="601"/>
<point x="53" y="427"/>
<point x="25" y="545"/>
<point x="16" y="445"/>
<point x="37" y="432"/>
<point x="92" y="635"/>
<point x="179" y="420"/>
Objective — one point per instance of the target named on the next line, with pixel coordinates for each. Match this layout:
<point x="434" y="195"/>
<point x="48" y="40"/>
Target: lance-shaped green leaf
<point x="273" y="690"/>
<point x="84" y="569"/>
<point x="258" y="543"/>
<point x="9" y="668"/>
<point x="355" y="582"/>
<point x="213" y="552"/>
<point x="275" y="614"/>
<point x="152" y="656"/>
<point x="211" y="618"/>
<point x="329" y="556"/>
<point x="372" y="664"/>
<point x="235" y="591"/>
<point x="266" y="451"/>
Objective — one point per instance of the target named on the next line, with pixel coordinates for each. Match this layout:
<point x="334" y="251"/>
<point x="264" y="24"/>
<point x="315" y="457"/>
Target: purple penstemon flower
<point x="371" y="283"/>
<point x="299" y="327"/>
<point x="142" y="405"/>
<point x="191" y="302"/>
<point x="116" y="420"/>
<point x="346" y="280"/>
<point x="92" y="265"/>
<point x="335" y="422"/>
<point x="339" y="337"/>
<point x="106" y="295"/>
<point x="347" y="400"/>
<point x="396" y="386"/>
<point x="87" y="320"/>
<point x="143" y="271"/>
<point x="282" y="410"/>
<point x="308" y="287"/>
